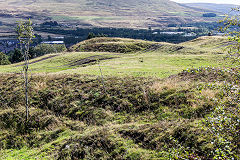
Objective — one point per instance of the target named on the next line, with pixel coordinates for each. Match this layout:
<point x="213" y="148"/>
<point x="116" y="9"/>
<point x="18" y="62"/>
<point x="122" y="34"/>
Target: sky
<point x="209" y="1"/>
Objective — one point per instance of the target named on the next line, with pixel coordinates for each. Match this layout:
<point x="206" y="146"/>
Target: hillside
<point x="117" y="45"/>
<point x="122" y="56"/>
<point x="118" y="98"/>
<point x="101" y="13"/>
<point x="76" y="117"/>
<point x="223" y="8"/>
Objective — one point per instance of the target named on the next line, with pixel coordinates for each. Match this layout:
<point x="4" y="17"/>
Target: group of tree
<point x="4" y="59"/>
<point x="93" y="35"/>
<point x="50" y="23"/>
<point x="73" y="36"/>
<point x="43" y="49"/>
<point x="39" y="50"/>
<point x="209" y="15"/>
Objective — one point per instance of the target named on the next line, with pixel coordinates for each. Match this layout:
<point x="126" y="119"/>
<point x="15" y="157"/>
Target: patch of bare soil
<point x="88" y="60"/>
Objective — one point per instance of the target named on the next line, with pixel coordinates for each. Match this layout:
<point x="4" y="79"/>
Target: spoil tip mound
<point x="116" y="45"/>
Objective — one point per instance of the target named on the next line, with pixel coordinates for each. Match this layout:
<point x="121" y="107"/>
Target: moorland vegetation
<point x="115" y="98"/>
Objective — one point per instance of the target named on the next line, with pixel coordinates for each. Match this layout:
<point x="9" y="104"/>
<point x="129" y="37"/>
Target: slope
<point x="223" y="8"/>
<point x="76" y="117"/>
<point x="103" y="13"/>
<point x="120" y="56"/>
<point x="129" y="113"/>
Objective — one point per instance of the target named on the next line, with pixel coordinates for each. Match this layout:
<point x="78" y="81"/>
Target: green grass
<point x="148" y="64"/>
<point x="132" y="116"/>
<point x="154" y="64"/>
<point x="42" y="152"/>
<point x="71" y="115"/>
<point x="167" y="60"/>
<point x="56" y="64"/>
<point x="24" y="153"/>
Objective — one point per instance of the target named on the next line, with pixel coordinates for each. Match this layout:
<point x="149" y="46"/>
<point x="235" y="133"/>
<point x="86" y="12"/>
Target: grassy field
<point x="148" y="105"/>
<point x="138" y="58"/>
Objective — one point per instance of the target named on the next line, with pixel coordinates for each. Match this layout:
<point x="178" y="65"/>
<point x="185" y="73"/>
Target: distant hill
<point x="101" y="13"/>
<point x="223" y="8"/>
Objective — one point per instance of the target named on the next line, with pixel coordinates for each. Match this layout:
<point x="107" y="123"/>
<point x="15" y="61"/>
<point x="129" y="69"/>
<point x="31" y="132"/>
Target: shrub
<point x="15" y="56"/>
<point x="4" y="59"/>
<point x="231" y="25"/>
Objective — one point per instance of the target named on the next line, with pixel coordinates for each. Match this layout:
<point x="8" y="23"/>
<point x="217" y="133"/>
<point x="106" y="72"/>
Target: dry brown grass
<point x="40" y="84"/>
<point x="208" y="93"/>
<point x="168" y="84"/>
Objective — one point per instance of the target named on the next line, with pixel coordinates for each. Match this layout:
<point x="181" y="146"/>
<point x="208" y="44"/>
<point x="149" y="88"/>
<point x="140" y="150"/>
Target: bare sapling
<point x="100" y="69"/>
<point x="25" y="34"/>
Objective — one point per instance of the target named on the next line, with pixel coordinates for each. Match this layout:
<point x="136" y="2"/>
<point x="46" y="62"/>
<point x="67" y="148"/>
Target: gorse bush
<point x="223" y="126"/>
<point x="224" y="123"/>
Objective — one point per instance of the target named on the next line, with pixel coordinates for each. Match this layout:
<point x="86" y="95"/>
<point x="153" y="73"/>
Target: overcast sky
<point x="209" y="1"/>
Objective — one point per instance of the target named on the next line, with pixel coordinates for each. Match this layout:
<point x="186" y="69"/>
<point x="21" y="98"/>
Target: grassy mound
<point x="116" y="45"/>
<point x="125" y="45"/>
<point x="145" y="58"/>
<point x="208" y="41"/>
<point x="77" y="117"/>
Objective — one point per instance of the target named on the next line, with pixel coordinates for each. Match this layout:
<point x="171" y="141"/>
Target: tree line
<point x="73" y="36"/>
<point x="39" y="50"/>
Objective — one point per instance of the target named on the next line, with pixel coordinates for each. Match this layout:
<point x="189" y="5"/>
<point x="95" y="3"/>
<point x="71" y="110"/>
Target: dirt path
<point x="42" y="59"/>
<point x="88" y="60"/>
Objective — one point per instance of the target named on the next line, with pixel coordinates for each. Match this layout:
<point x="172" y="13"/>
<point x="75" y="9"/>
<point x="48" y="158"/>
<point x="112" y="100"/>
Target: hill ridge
<point x="104" y="13"/>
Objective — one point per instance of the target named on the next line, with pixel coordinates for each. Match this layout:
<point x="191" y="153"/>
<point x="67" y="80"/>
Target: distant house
<point x="53" y="42"/>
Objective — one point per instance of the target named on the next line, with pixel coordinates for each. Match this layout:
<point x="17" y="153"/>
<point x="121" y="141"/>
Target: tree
<point x="43" y="49"/>
<point x="16" y="56"/>
<point x="91" y="35"/>
<point x="231" y="26"/>
<point x="25" y="35"/>
<point x="49" y="38"/>
<point x="4" y="59"/>
<point x="38" y="39"/>
<point x="4" y="46"/>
